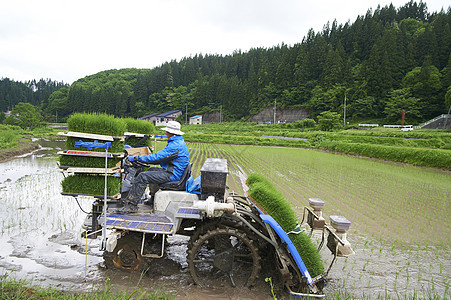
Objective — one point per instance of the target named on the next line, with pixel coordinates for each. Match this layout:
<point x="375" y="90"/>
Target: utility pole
<point x="446" y="118"/>
<point x="220" y="114"/>
<point x="186" y="114"/>
<point x="344" y="115"/>
<point x="275" y="103"/>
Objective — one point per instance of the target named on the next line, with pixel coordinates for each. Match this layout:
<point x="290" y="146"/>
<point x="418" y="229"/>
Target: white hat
<point x="173" y="127"/>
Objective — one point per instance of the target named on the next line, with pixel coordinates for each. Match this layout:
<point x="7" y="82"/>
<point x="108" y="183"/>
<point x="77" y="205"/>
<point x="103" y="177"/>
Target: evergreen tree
<point x="402" y="100"/>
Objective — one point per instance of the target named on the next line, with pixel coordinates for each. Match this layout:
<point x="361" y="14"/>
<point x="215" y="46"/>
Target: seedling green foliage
<point x="139" y="126"/>
<point x="87" y="162"/>
<point x="117" y="146"/>
<point x="97" y="123"/>
<point x="90" y="185"/>
<point x="273" y="202"/>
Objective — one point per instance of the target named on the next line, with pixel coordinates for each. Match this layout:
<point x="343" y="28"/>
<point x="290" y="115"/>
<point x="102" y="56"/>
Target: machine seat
<point x="179" y="185"/>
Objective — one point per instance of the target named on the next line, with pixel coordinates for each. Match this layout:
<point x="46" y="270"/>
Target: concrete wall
<point x="287" y="115"/>
<point x="438" y="124"/>
<point x="211" y="117"/>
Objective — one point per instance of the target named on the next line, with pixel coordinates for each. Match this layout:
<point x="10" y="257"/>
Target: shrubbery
<point x="414" y="147"/>
<point x="437" y="158"/>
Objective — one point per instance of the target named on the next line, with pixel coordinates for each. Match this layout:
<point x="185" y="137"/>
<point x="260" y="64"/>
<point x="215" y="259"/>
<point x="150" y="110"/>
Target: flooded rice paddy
<point x="40" y="241"/>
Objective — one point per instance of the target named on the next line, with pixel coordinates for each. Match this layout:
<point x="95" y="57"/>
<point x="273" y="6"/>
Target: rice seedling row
<point x="399" y="213"/>
<point x="384" y="198"/>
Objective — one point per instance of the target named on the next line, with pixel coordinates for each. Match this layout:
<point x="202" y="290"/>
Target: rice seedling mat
<point x="90" y="196"/>
<point x="90" y="154"/>
<point x="80" y="170"/>
<point x="89" y="136"/>
<point x="138" y="135"/>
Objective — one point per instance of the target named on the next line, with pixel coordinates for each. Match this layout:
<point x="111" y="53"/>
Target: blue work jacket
<point x="174" y="158"/>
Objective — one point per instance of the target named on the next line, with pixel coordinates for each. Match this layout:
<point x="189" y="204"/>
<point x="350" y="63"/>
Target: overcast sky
<point x="65" y="40"/>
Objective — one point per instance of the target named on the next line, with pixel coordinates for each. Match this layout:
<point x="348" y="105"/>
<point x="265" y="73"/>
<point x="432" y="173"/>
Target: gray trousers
<point x="153" y="176"/>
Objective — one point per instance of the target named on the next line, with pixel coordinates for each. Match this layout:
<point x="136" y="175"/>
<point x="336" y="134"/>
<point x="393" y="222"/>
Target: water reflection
<point x="38" y="225"/>
<point x="40" y="238"/>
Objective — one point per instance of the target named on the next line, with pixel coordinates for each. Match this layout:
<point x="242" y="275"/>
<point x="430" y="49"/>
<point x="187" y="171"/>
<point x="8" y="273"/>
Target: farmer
<point x="173" y="160"/>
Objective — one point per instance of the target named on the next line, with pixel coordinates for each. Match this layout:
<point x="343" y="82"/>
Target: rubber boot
<point x="149" y="201"/>
<point x="129" y="208"/>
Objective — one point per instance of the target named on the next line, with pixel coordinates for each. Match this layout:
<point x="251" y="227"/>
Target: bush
<point x="437" y="158"/>
<point x="329" y="120"/>
<point x="308" y="123"/>
<point x="8" y="139"/>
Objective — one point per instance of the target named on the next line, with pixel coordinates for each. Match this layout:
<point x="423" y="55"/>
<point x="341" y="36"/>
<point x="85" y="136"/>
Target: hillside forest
<point x="386" y="61"/>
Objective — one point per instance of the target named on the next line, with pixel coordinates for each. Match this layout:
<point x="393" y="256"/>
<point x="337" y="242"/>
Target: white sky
<point x="65" y="40"/>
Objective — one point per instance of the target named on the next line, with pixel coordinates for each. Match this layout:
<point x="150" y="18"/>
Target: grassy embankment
<point x="15" y="141"/>
<point x="418" y="147"/>
<point x="11" y="288"/>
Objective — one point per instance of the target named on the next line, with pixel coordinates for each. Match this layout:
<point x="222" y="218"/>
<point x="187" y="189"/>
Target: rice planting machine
<point x="231" y="236"/>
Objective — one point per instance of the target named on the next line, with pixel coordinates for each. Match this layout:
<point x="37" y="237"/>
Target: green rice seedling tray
<point x="116" y="145"/>
<point x="83" y="184"/>
<point x="97" y="123"/>
<point x="90" y="154"/>
<point x="84" y="135"/>
<point x="272" y="201"/>
<point x="139" y="126"/>
<point x="97" y="160"/>
<point x="89" y="170"/>
<point x="133" y="139"/>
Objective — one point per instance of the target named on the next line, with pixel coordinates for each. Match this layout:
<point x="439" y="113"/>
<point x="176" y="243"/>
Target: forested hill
<point x="34" y="92"/>
<point x="388" y="60"/>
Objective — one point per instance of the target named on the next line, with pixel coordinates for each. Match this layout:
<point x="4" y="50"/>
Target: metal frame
<point x="153" y="255"/>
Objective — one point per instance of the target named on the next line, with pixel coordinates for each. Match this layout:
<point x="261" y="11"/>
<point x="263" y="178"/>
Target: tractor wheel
<point x="127" y="254"/>
<point x="223" y="255"/>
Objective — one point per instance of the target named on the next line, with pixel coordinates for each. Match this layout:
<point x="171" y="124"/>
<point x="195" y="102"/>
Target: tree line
<point x="34" y="92"/>
<point x="386" y="61"/>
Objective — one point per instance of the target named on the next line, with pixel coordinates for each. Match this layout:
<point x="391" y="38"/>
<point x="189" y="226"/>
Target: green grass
<point x="9" y="136"/>
<point x="8" y="139"/>
<point x="11" y="288"/>
<point x="415" y="295"/>
<point x="424" y="147"/>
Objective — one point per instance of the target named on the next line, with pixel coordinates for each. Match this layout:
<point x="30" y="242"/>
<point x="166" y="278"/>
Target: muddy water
<point x="40" y="238"/>
<point x="40" y="241"/>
